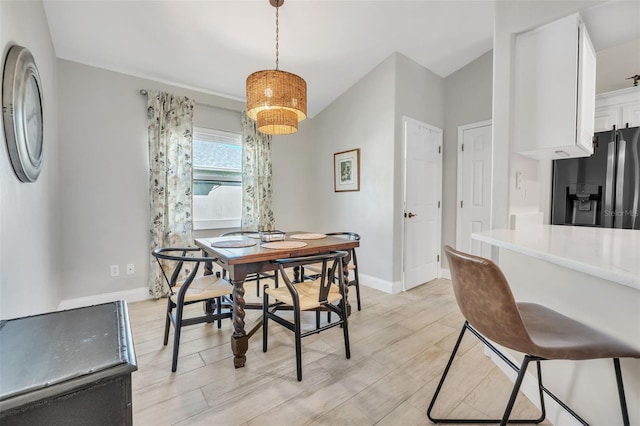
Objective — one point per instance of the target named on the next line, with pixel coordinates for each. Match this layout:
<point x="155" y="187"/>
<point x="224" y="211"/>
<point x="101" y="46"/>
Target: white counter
<point x="610" y="254"/>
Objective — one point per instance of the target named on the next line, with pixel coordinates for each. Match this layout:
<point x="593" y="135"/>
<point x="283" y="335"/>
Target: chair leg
<point x="543" y="410"/>
<point x="298" y="339"/>
<point x="176" y="338"/>
<point x="265" y="320"/>
<point x="219" y="311"/>
<point x="357" y="286"/>
<point x="444" y="376"/>
<point x="623" y="400"/>
<point x="345" y="328"/>
<point x="516" y="388"/>
<point x="167" y="322"/>
<point x="258" y="285"/>
<point x="509" y="406"/>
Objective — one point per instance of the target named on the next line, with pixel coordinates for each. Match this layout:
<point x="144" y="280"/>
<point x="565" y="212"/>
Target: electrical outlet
<point x="131" y="269"/>
<point x="115" y="270"/>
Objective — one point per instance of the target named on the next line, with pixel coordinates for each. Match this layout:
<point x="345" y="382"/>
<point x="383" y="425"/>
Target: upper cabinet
<point x="554" y="91"/>
<point x="620" y="108"/>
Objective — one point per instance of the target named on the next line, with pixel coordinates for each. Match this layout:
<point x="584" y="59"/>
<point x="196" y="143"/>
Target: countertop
<point x="611" y="254"/>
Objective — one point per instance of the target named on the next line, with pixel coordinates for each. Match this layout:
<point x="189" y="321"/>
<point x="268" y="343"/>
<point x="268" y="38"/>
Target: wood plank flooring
<point x="399" y="347"/>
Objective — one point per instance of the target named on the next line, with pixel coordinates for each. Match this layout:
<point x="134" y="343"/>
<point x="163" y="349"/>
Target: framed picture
<point x="346" y="170"/>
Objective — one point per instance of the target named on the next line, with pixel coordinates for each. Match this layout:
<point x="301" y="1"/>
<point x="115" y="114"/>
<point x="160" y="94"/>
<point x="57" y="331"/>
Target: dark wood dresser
<point x="67" y="368"/>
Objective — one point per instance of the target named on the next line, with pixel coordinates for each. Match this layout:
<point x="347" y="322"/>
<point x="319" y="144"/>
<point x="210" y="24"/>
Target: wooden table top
<point x="257" y="253"/>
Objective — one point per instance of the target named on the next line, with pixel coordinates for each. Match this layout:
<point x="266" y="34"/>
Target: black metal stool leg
<point x="516" y="388"/>
<point x="515" y="391"/>
<point x="623" y="400"/>
<point x="444" y="375"/>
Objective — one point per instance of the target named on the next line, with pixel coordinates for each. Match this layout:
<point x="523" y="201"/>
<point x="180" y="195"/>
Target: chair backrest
<point x="331" y="267"/>
<point x="348" y="236"/>
<point x="179" y="256"/>
<point x="486" y="301"/>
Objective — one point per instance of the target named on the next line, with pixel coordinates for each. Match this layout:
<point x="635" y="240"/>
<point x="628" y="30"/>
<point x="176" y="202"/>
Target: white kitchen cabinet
<point x="554" y="91"/>
<point x="618" y="108"/>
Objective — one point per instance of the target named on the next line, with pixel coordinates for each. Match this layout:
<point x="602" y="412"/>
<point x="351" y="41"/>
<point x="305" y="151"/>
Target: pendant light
<point x="276" y="99"/>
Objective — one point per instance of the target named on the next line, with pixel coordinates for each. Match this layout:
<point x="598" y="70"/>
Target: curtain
<point x="257" y="213"/>
<point x="170" y="129"/>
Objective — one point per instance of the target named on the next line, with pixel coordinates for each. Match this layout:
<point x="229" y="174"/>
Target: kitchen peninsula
<point x="590" y="274"/>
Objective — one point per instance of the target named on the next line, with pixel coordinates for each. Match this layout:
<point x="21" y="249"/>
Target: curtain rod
<point x="143" y="92"/>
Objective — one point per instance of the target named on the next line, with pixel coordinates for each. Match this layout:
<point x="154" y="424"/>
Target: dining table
<point x="240" y="256"/>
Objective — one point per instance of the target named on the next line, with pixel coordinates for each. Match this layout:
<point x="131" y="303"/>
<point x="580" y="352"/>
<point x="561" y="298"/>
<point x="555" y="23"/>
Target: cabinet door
<point x="546" y="86"/>
<point x="606" y="118"/>
<point x="631" y="115"/>
<point x="586" y="91"/>
<point x="554" y="91"/>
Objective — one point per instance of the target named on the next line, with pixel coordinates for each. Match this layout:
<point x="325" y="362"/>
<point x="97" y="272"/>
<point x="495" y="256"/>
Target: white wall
<point x="468" y="99"/>
<point x="511" y="18"/>
<point x="369" y="116"/>
<point x="294" y="198"/>
<point x="30" y="237"/>
<point x="362" y="117"/>
<point x="419" y="95"/>
<point x="104" y="174"/>
<point x="104" y="169"/>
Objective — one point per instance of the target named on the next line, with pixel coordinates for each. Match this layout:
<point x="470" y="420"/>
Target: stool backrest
<point x="486" y="301"/>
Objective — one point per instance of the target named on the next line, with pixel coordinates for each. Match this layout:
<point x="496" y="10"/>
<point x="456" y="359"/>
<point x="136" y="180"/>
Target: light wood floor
<point x="399" y="347"/>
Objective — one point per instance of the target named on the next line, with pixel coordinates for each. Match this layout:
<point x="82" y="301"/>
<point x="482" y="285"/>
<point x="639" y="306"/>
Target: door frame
<point x="461" y="130"/>
<point x="406" y="119"/>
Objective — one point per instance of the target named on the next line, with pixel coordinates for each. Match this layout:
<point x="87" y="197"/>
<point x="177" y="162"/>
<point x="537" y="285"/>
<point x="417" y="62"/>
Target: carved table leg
<point x="345" y="271"/>
<point x="239" y="339"/>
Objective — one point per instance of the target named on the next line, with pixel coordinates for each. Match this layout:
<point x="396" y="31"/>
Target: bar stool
<point x="487" y="303"/>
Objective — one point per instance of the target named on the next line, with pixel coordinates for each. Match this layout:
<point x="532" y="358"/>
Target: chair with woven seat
<point x="311" y="271"/>
<point x="211" y="290"/>
<point x="491" y="312"/>
<point x="323" y="293"/>
<point x="253" y="276"/>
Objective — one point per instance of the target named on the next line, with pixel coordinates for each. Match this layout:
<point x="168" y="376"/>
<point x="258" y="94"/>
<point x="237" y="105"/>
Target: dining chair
<point x="257" y="276"/>
<point x="180" y="270"/>
<point x="322" y="293"/>
<point x="491" y="312"/>
<point x="311" y="271"/>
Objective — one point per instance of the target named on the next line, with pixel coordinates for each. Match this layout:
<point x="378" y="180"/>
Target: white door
<point x="474" y="186"/>
<point x="422" y="195"/>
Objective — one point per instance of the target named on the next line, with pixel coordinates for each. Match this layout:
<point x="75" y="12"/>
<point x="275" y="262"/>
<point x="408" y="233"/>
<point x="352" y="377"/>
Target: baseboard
<point x="134" y="295"/>
<point x="378" y="284"/>
<point x="445" y="273"/>
<point x="556" y="415"/>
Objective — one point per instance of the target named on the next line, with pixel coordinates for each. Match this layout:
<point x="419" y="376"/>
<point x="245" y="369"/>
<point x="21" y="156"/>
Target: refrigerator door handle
<point x="620" y="184"/>
<point x="609" y="187"/>
<point x="636" y="173"/>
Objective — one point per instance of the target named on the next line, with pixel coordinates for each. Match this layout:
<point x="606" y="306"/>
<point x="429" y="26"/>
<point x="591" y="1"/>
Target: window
<point x="217" y="179"/>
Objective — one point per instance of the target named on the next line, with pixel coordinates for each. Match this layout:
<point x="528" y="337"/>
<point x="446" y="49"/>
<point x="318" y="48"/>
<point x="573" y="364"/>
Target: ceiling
<point x="212" y="46"/>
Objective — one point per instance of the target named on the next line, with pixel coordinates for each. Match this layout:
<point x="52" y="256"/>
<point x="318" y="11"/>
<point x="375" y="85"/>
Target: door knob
<point x="410" y="215"/>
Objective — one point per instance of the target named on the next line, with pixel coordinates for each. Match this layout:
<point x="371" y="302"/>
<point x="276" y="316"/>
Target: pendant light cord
<point x="277" y="36"/>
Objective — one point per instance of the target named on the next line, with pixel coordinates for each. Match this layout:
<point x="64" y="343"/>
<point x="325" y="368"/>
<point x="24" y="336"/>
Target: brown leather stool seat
<point x="491" y="312"/>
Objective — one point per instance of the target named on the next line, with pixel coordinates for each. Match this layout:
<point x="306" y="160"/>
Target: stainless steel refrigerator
<point x="603" y="189"/>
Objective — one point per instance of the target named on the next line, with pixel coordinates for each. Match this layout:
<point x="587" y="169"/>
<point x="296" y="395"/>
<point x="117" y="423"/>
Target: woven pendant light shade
<point x="277" y="100"/>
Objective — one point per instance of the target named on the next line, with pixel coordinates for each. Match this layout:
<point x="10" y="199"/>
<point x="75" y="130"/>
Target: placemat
<point x="256" y="235"/>
<point x="308" y="236"/>
<point x="233" y="243"/>
<point x="284" y="244"/>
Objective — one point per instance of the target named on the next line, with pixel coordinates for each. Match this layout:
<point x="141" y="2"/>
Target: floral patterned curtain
<point x="170" y="127"/>
<point x="257" y="213"/>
